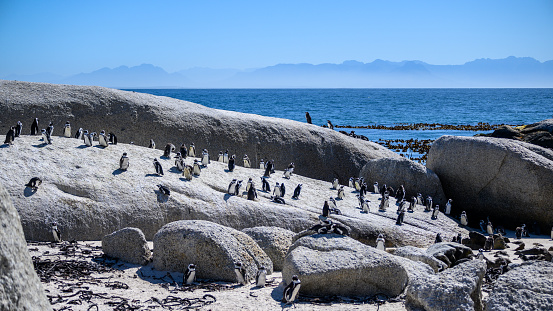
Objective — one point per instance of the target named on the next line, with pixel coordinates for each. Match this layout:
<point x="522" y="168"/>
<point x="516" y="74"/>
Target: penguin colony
<point x="330" y="206"/>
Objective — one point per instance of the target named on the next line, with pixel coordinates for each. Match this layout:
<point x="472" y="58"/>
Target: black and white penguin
<point x="435" y="212"/>
<point x="168" y="149"/>
<point x="164" y="190"/>
<point x="261" y="164"/>
<point x="365" y="207"/>
<point x="124" y="162"/>
<point x="34" y="183"/>
<point x="329" y="124"/>
<point x="333" y="206"/>
<point x="375" y="188"/>
<point x="158" y="167"/>
<point x="50" y="129"/>
<point x="152" y="144"/>
<point x="401" y="206"/>
<point x="252" y="193"/>
<point x="335" y="183"/>
<point x="34" y="127"/>
<point x="231" y="187"/>
<point x="326" y="209"/>
<point x="10" y="136"/>
<point x="363" y="189"/>
<point x="341" y="193"/>
<point x="272" y="166"/>
<point x="307" y="117"/>
<point x="551" y="233"/>
<point x="291" y="290"/>
<point x="438" y="238"/>
<point x="282" y="190"/>
<point x="518" y="233"/>
<point x="339" y="229"/>
<point x="56" y="233"/>
<point x="420" y="199"/>
<point x="67" y="129"/>
<point x="448" y="207"/>
<point x="323" y="227"/>
<point x="86" y="138"/>
<point x="412" y="204"/>
<point x="225" y="156"/>
<point x="489" y="228"/>
<point x="480" y="255"/>
<point x="112" y="138"/>
<point x="220" y="157"/>
<point x="268" y="168"/>
<point x="428" y="206"/>
<point x="261" y="277"/>
<point x="287" y="173"/>
<point x="237" y="188"/>
<point x="276" y="190"/>
<point x="458" y="239"/>
<point x="205" y="157"/>
<point x="189" y="275"/>
<point x="18" y="128"/>
<point x="297" y="192"/>
<point x="385" y="202"/>
<point x="488" y="245"/>
<point x="183" y="151"/>
<point x="46" y="137"/>
<point x="247" y="162"/>
<point x="192" y="150"/>
<point x="231" y="164"/>
<point x="102" y="139"/>
<point x="241" y="275"/>
<point x="400" y="193"/>
<point x="464" y="219"/>
<point x="381" y="243"/>
<point x="79" y="133"/>
<point x="265" y="185"/>
<point x="187" y="172"/>
<point x="179" y="162"/>
<point x="249" y="183"/>
<point x="278" y="200"/>
<point x="400" y="216"/>
<point x="196" y="169"/>
<point x="91" y="136"/>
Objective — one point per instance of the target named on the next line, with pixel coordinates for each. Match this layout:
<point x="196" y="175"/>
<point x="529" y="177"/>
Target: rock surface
<point x="527" y="286"/>
<point x="89" y="197"/>
<point x="449" y="252"/>
<point x="127" y="244"/>
<point x="213" y="248"/>
<point x="458" y="288"/>
<point x="507" y="180"/>
<point x="139" y="117"/>
<point x="20" y="287"/>
<point x="419" y="254"/>
<point x="274" y="241"/>
<point x="330" y="264"/>
<point x="415" y="177"/>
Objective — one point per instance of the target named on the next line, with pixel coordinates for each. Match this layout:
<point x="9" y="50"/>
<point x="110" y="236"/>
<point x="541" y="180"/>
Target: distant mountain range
<point x="508" y="72"/>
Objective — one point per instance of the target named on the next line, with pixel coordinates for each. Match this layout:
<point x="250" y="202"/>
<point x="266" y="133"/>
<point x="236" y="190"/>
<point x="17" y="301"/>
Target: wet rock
<point x="274" y="241"/>
<point x="127" y="244"/>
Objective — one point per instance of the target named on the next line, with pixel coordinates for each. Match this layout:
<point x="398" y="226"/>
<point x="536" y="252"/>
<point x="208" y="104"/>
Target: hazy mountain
<point x="507" y="72"/>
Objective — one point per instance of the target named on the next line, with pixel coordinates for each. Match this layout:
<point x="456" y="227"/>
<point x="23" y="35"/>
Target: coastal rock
<point x="127" y="244"/>
<point x="213" y="248"/>
<point x="506" y="131"/>
<point x="508" y="179"/>
<point x="20" y="287"/>
<point x="544" y="125"/>
<point x="458" y="288"/>
<point x="414" y="177"/>
<point x="526" y="286"/>
<point x="449" y="252"/>
<point x="477" y="240"/>
<point x="419" y="254"/>
<point x="330" y="264"/>
<point x="138" y="117"/>
<point x="274" y="241"/>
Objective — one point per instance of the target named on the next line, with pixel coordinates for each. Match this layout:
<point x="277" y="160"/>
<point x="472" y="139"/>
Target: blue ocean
<point x="362" y="107"/>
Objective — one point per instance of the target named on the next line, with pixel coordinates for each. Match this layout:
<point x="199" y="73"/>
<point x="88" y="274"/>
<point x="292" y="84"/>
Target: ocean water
<point x="362" y="107"/>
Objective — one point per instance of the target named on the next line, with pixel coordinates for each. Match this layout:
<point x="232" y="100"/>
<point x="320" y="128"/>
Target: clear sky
<point x="69" y="37"/>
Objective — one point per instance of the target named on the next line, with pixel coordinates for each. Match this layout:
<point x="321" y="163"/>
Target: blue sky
<point x="69" y="37"/>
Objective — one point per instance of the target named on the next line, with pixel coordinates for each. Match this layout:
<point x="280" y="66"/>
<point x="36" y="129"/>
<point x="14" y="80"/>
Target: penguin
<point x="480" y="255"/>
<point x="249" y="184"/>
<point x="291" y="290"/>
<point x="79" y="133"/>
<point x="291" y="168"/>
<point x="192" y="150"/>
<point x="179" y="162"/>
<point x="458" y="239"/>
<point x="428" y="206"/>
<point x="307" y="117"/>
<point x="102" y="139"/>
<point x="232" y="187"/>
<point x="350" y="183"/>
<point x="340" y="194"/>
<point x="489" y="228"/>
<point x="225" y="157"/>
<point x="488" y="245"/>
<point x="518" y="233"/>
<point x="401" y="206"/>
<point x="168" y="149"/>
<point x="384" y="203"/>
<point x="356" y="184"/>
<point x="220" y="157"/>
<point x="34" y="183"/>
<point x="67" y="129"/>
<point x="375" y="188"/>
<point x="10" y="136"/>
<point x="282" y="190"/>
<point x="46" y="137"/>
<point x="112" y="138"/>
<point x="187" y="172"/>
<point x="297" y="191"/>
<point x="400" y="194"/>
<point x="196" y="169"/>
<point x="335" y="183"/>
<point x="326" y="209"/>
<point x="438" y="238"/>
<point x="247" y="163"/>
<point x="241" y="275"/>
<point x="205" y="158"/>
<point x="551" y="233"/>
<point x="272" y="171"/>
<point x="261" y="164"/>
<point x="339" y="229"/>
<point x="365" y="207"/>
<point x="276" y="190"/>
<point x="399" y="220"/>
<point x="261" y="277"/>
<point x="56" y="232"/>
<point x="268" y="169"/>
<point x="183" y="151"/>
<point x="420" y="199"/>
<point x="18" y="128"/>
<point x="265" y="185"/>
<point x="363" y="189"/>
<point x="237" y="187"/>
<point x="124" y="162"/>
<point x="34" y="127"/>
<point x="380" y="243"/>
<point x="383" y="189"/>
<point x="231" y="163"/>
<point x="86" y="138"/>
<point x="329" y="124"/>
<point x="50" y="129"/>
<point x="524" y="231"/>
<point x="412" y="204"/>
<point x="252" y="193"/>
<point x="435" y="212"/>
<point x="163" y="190"/>
<point x="323" y="227"/>
<point x="152" y="144"/>
<point x="158" y="167"/>
<point x="448" y="207"/>
<point x="287" y="173"/>
<point x="278" y="200"/>
<point x="189" y="275"/>
<point x="91" y="136"/>
<point x="332" y="204"/>
<point x="464" y="219"/>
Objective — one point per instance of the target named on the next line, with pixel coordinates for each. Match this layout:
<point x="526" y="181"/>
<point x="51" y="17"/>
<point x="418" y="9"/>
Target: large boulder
<point x="527" y="286"/>
<point x="458" y="288"/>
<point x="127" y="244"/>
<point x="213" y="248"/>
<point x="415" y="177"/>
<point x="20" y="287"/>
<point x="419" y="254"/>
<point x="449" y="252"/>
<point x="330" y="264"/>
<point x="274" y="241"/>
<point x="138" y="117"/>
<point x="508" y="180"/>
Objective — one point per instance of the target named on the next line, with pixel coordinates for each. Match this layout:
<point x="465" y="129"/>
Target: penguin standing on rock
<point x="464" y="219"/>
<point x="261" y="277"/>
<point x="241" y="275"/>
<point x="56" y="233"/>
<point x="79" y="133"/>
<point x="276" y="190"/>
<point x="168" y="149"/>
<point x="438" y="238"/>
<point x="252" y="193"/>
<point x="400" y="217"/>
<point x="18" y="128"/>
<point x="341" y="193"/>
<point x="102" y="139"/>
<point x="231" y="163"/>
<point x="307" y="117"/>
<point x="86" y="138"/>
<point x="249" y="183"/>
<point x="225" y="157"/>
<point x="34" y="127"/>
<point x="152" y="144"/>
<point x="205" y="158"/>
<point x="375" y="186"/>
<point x="282" y="190"/>
<point x="189" y="275"/>
<point x="237" y="188"/>
<point x="67" y="129"/>
<point x="291" y="290"/>
<point x="489" y="228"/>
<point x="335" y="183"/>
<point x="50" y="129"/>
<point x="435" y="212"/>
<point x="329" y="124"/>
<point x="192" y="150"/>
<point x="220" y="157"/>
<point x="112" y="138"/>
<point x="34" y="183"/>
<point x="158" y="167"/>
<point x="196" y="169"/>
<point x="297" y="192"/>
<point x="124" y="162"/>
<point x="179" y="162"/>
<point x="46" y="137"/>
<point x="265" y="185"/>
<point x="183" y="151"/>
<point x="448" y="207"/>
<point x="247" y="162"/>
<point x="10" y="136"/>
<point x="163" y="190"/>
<point x="261" y="164"/>
<point x="365" y="207"/>
<point x="380" y="243"/>
<point x="268" y="169"/>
